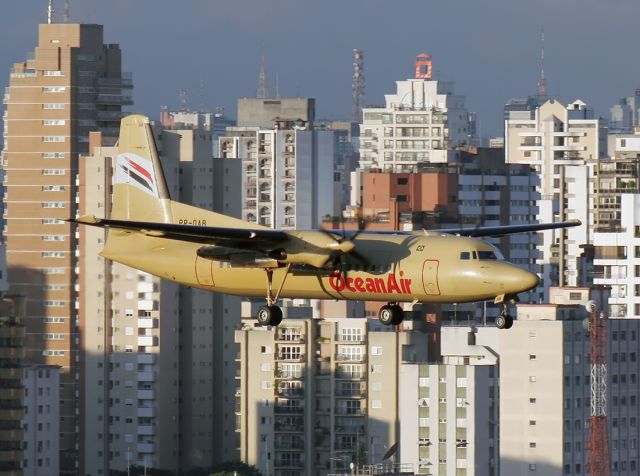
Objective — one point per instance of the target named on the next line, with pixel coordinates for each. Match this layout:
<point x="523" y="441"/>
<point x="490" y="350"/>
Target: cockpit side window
<point x="487" y="255"/>
<point x="465" y="255"/>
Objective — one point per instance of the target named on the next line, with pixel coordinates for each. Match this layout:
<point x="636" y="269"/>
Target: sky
<point x="489" y="48"/>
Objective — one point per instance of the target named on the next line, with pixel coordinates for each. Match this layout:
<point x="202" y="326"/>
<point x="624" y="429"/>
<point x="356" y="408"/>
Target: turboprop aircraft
<point x="206" y="250"/>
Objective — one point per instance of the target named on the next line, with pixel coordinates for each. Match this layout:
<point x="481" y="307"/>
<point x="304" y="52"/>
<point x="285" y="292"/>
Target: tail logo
<point x="134" y="170"/>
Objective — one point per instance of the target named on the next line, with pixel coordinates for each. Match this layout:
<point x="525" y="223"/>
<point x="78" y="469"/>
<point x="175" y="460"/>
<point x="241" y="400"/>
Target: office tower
<point x="159" y="368"/>
<point x="562" y="144"/>
<point x="41" y="423"/>
<point x="545" y="386"/>
<point x="12" y="333"/>
<point x="288" y="176"/>
<point x="421" y="122"/>
<point x="318" y="394"/>
<point x="73" y="83"/>
<point x="449" y="412"/>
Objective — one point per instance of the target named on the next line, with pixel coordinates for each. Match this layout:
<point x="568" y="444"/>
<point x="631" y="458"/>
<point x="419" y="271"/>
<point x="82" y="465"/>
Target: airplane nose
<point x="516" y="280"/>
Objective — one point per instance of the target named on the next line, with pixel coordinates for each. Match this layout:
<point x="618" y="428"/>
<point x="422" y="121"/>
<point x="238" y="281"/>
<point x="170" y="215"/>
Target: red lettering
<point x="371" y="285"/>
<point x="407" y="285"/>
<point x="336" y="281"/>
<point x="350" y="285"/>
<point x="392" y="284"/>
<point x="380" y="287"/>
<point x="359" y="284"/>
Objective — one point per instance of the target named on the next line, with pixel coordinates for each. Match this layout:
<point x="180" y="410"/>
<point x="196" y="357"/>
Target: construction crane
<point x="598" y="462"/>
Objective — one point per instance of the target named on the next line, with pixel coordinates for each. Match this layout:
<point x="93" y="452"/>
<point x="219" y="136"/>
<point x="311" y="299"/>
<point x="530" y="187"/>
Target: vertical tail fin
<point x="140" y="191"/>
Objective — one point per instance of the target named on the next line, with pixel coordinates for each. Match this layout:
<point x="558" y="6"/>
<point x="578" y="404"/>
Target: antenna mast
<point x="263" y="87"/>
<point x="598" y="457"/>
<point x="357" y="85"/>
<point x="183" y="100"/>
<point x="50" y="12"/>
<point x="542" y="83"/>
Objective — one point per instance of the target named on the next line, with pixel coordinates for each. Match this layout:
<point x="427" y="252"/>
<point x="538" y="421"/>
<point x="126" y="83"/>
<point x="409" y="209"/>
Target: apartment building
<point x="449" y="412"/>
<point x="316" y="395"/>
<point x="422" y="122"/>
<point x="562" y="144"/>
<point x="159" y="364"/>
<point x="289" y="177"/>
<point x="41" y="423"/>
<point x="545" y="387"/>
<point x="71" y="84"/>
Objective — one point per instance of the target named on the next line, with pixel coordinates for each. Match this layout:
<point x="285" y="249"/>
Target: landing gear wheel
<point x="269" y="315"/>
<point x="504" y="321"/>
<point x="390" y="315"/>
<point x="509" y="322"/>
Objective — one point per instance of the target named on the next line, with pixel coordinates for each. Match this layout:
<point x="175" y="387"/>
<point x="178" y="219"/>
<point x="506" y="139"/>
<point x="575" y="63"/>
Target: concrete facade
<point x="41" y="423"/>
<point x="71" y="85"/>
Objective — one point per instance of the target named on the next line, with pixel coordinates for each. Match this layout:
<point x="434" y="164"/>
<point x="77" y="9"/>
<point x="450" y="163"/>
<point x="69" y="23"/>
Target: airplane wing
<point x="251" y="238"/>
<point x="506" y="229"/>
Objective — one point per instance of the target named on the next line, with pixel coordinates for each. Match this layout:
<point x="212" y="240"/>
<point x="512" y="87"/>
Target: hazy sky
<point x="490" y="48"/>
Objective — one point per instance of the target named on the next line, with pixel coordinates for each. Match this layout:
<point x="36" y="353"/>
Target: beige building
<point x="73" y="83"/>
<point x="159" y="363"/>
<point x="318" y="394"/>
<point x="545" y="392"/>
<point x="449" y="411"/>
<point x="562" y="144"/>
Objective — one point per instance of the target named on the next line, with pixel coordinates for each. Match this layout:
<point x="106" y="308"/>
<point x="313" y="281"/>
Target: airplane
<point x="207" y="250"/>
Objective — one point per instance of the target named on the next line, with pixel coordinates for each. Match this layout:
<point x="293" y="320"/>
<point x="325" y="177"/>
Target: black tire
<point x="509" y="322"/>
<point x="269" y="315"/>
<point x="398" y="315"/>
<point x="501" y="321"/>
<point x="386" y="315"/>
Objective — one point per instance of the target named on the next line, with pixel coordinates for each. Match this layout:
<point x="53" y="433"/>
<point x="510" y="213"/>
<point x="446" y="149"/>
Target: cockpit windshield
<point x="483" y="255"/>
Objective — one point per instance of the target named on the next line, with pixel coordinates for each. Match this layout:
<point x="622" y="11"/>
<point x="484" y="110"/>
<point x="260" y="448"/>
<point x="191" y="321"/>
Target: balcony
<point x="146" y="358"/>
<point x="291" y="357"/>
<point x="146" y="394"/>
<point x="147" y="341"/>
<point x="146" y="412"/>
<point x="115" y="99"/>
<point x="147" y="323"/>
<point x="288" y="410"/>
<point x="351" y="411"/>
<point x="289" y="428"/>
<point x="146" y="377"/>
<point x="146" y="448"/>
<point x="146" y="430"/>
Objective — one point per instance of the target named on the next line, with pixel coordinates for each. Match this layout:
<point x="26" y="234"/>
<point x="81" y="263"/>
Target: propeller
<point x="344" y="246"/>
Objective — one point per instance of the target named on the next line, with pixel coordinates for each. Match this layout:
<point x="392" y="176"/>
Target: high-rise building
<point x="159" y="370"/>
<point x="318" y="394"/>
<point x="625" y="115"/>
<point x="289" y="177"/>
<point x="562" y="144"/>
<point x="449" y="414"/>
<point x="73" y="83"/>
<point x="545" y="386"/>
<point x="421" y="122"/>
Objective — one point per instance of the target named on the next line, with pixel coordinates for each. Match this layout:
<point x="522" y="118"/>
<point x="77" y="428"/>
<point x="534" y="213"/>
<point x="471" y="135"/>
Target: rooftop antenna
<point x="542" y="83"/>
<point x="50" y="12"/>
<point x="263" y="87"/>
<point x="66" y="15"/>
<point x="357" y="85"/>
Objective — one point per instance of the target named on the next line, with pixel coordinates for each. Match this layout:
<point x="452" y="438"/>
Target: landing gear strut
<point x="391" y="314"/>
<point x="271" y="314"/>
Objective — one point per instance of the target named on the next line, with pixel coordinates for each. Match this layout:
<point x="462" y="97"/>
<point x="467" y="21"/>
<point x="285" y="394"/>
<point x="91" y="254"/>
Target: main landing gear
<point x="391" y="314"/>
<point x="504" y="320"/>
<point x="271" y="314"/>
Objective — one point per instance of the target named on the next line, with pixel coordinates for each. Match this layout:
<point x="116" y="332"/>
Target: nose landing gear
<point x="271" y="314"/>
<point x="391" y="314"/>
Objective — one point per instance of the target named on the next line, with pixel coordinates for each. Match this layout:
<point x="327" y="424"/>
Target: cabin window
<point x="487" y="255"/>
<point x="475" y="256"/>
<point x="465" y="255"/>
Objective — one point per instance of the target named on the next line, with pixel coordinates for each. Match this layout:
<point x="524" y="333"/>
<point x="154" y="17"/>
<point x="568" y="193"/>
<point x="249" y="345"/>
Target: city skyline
<point x="492" y="53"/>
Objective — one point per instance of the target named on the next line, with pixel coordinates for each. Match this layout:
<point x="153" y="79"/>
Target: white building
<point x="421" y="122"/>
<point x="561" y="144"/>
<point x="449" y="411"/>
<point x="41" y="423"/>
